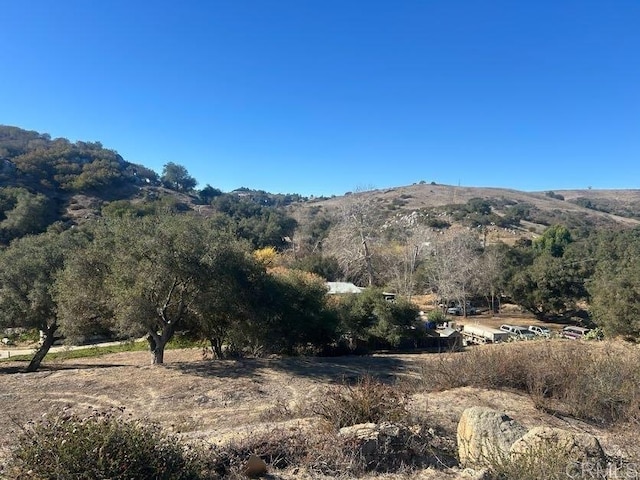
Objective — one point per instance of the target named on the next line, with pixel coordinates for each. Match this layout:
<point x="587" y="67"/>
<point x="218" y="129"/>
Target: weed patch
<point x="597" y="382"/>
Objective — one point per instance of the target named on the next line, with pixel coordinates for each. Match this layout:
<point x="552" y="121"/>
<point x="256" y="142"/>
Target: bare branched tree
<point x="354" y="236"/>
<point x="455" y="268"/>
<point x="400" y="260"/>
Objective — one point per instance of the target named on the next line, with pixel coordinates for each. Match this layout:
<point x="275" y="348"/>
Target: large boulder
<point x="485" y="436"/>
<point x="562" y="445"/>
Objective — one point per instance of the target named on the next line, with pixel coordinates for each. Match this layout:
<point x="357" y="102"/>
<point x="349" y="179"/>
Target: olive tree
<point x="28" y="269"/>
<point x="227" y="296"/>
<point x="147" y="273"/>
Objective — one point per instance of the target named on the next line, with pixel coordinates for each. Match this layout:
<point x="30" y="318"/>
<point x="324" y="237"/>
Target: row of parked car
<point x="458" y="310"/>
<point x="533" y="331"/>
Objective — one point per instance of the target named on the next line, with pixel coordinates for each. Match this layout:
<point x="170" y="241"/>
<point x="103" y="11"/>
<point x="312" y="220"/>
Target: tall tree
<point x="227" y="298"/>
<point x="151" y="270"/>
<point x="353" y="238"/>
<point x="28" y="270"/>
<point x="454" y="268"/>
<point x="547" y="278"/>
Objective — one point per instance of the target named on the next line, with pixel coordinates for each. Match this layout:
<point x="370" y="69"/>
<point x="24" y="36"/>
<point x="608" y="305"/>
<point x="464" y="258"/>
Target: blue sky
<point x="323" y="97"/>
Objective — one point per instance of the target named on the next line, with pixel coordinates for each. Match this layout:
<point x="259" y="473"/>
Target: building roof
<point x="343" y="287"/>
<point x="448" y="332"/>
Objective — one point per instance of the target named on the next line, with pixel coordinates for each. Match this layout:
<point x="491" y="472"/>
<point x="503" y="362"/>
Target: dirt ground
<point x="219" y="400"/>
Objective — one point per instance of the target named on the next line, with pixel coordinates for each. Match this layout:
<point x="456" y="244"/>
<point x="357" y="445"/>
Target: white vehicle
<point x="458" y="310"/>
<point x="479" y="334"/>
<point x="540" y="330"/>
<point x="519" y="333"/>
<point x="574" y="333"/>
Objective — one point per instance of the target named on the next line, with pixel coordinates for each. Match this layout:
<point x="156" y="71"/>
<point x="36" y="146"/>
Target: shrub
<point x="436" y="316"/>
<point x="102" y="445"/>
<point x="597" y="382"/>
<point x="544" y="461"/>
<point x="368" y="400"/>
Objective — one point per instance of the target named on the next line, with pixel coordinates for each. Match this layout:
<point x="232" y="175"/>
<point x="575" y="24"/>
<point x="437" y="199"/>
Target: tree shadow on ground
<point x="343" y="369"/>
<point x="13" y="368"/>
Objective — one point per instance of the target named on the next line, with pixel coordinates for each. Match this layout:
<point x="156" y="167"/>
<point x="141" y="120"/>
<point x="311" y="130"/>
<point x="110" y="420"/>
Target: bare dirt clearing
<point x="230" y="399"/>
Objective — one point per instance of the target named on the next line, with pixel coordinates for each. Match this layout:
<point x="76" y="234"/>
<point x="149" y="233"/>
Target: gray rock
<point x="559" y="444"/>
<point x="382" y="444"/>
<point x="485" y="436"/>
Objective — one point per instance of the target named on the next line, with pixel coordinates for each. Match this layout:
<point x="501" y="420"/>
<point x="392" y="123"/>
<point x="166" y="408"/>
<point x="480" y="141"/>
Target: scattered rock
<point x="485" y="434"/>
<point x="384" y="444"/>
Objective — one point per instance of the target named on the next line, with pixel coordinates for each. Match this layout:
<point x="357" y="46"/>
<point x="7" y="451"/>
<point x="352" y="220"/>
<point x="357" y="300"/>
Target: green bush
<point x="102" y="445"/>
<point x="437" y="316"/>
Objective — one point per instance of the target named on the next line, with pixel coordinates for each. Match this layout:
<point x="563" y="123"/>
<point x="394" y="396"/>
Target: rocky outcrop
<point x="489" y="438"/>
<point x="486" y="435"/>
<point x="387" y="446"/>
<point x="570" y="447"/>
<point x="374" y="441"/>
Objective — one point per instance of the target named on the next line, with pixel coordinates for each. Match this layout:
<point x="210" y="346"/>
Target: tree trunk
<point x="216" y="347"/>
<point x="367" y="259"/>
<point x="158" y="355"/>
<point x="156" y="347"/>
<point x="158" y="342"/>
<point x="49" y="338"/>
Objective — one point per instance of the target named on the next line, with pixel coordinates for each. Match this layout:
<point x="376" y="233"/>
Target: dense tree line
<point x="158" y="274"/>
<point x="151" y="265"/>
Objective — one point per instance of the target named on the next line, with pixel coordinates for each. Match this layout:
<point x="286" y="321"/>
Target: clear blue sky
<point x="322" y="97"/>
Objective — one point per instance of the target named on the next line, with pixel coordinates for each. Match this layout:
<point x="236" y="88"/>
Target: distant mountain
<point x="45" y="181"/>
<point x="505" y="214"/>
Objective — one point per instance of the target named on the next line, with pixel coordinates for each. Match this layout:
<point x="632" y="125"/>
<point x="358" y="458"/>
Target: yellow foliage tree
<point x="266" y="256"/>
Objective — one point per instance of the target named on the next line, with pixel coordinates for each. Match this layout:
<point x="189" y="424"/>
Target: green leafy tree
<point x="208" y="193"/>
<point x="28" y="270"/>
<point x="30" y="214"/>
<point x="84" y="304"/>
<point x="177" y="177"/>
<point x="368" y="318"/>
<point x="260" y="223"/>
<point x="547" y="277"/>
<point x="154" y="268"/>
<point x="554" y="240"/>
<point x="227" y="299"/>
<point x="615" y="286"/>
<point x="326" y="267"/>
<point x="294" y="313"/>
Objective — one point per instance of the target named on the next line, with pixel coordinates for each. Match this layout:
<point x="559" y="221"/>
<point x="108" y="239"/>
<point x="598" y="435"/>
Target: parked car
<point x="457" y="310"/>
<point x="519" y="333"/>
<point x="574" y="333"/>
<point x="540" y="330"/>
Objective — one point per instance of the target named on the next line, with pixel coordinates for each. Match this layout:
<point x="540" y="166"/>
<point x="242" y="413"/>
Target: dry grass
<point x="594" y="381"/>
<point x="273" y="407"/>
